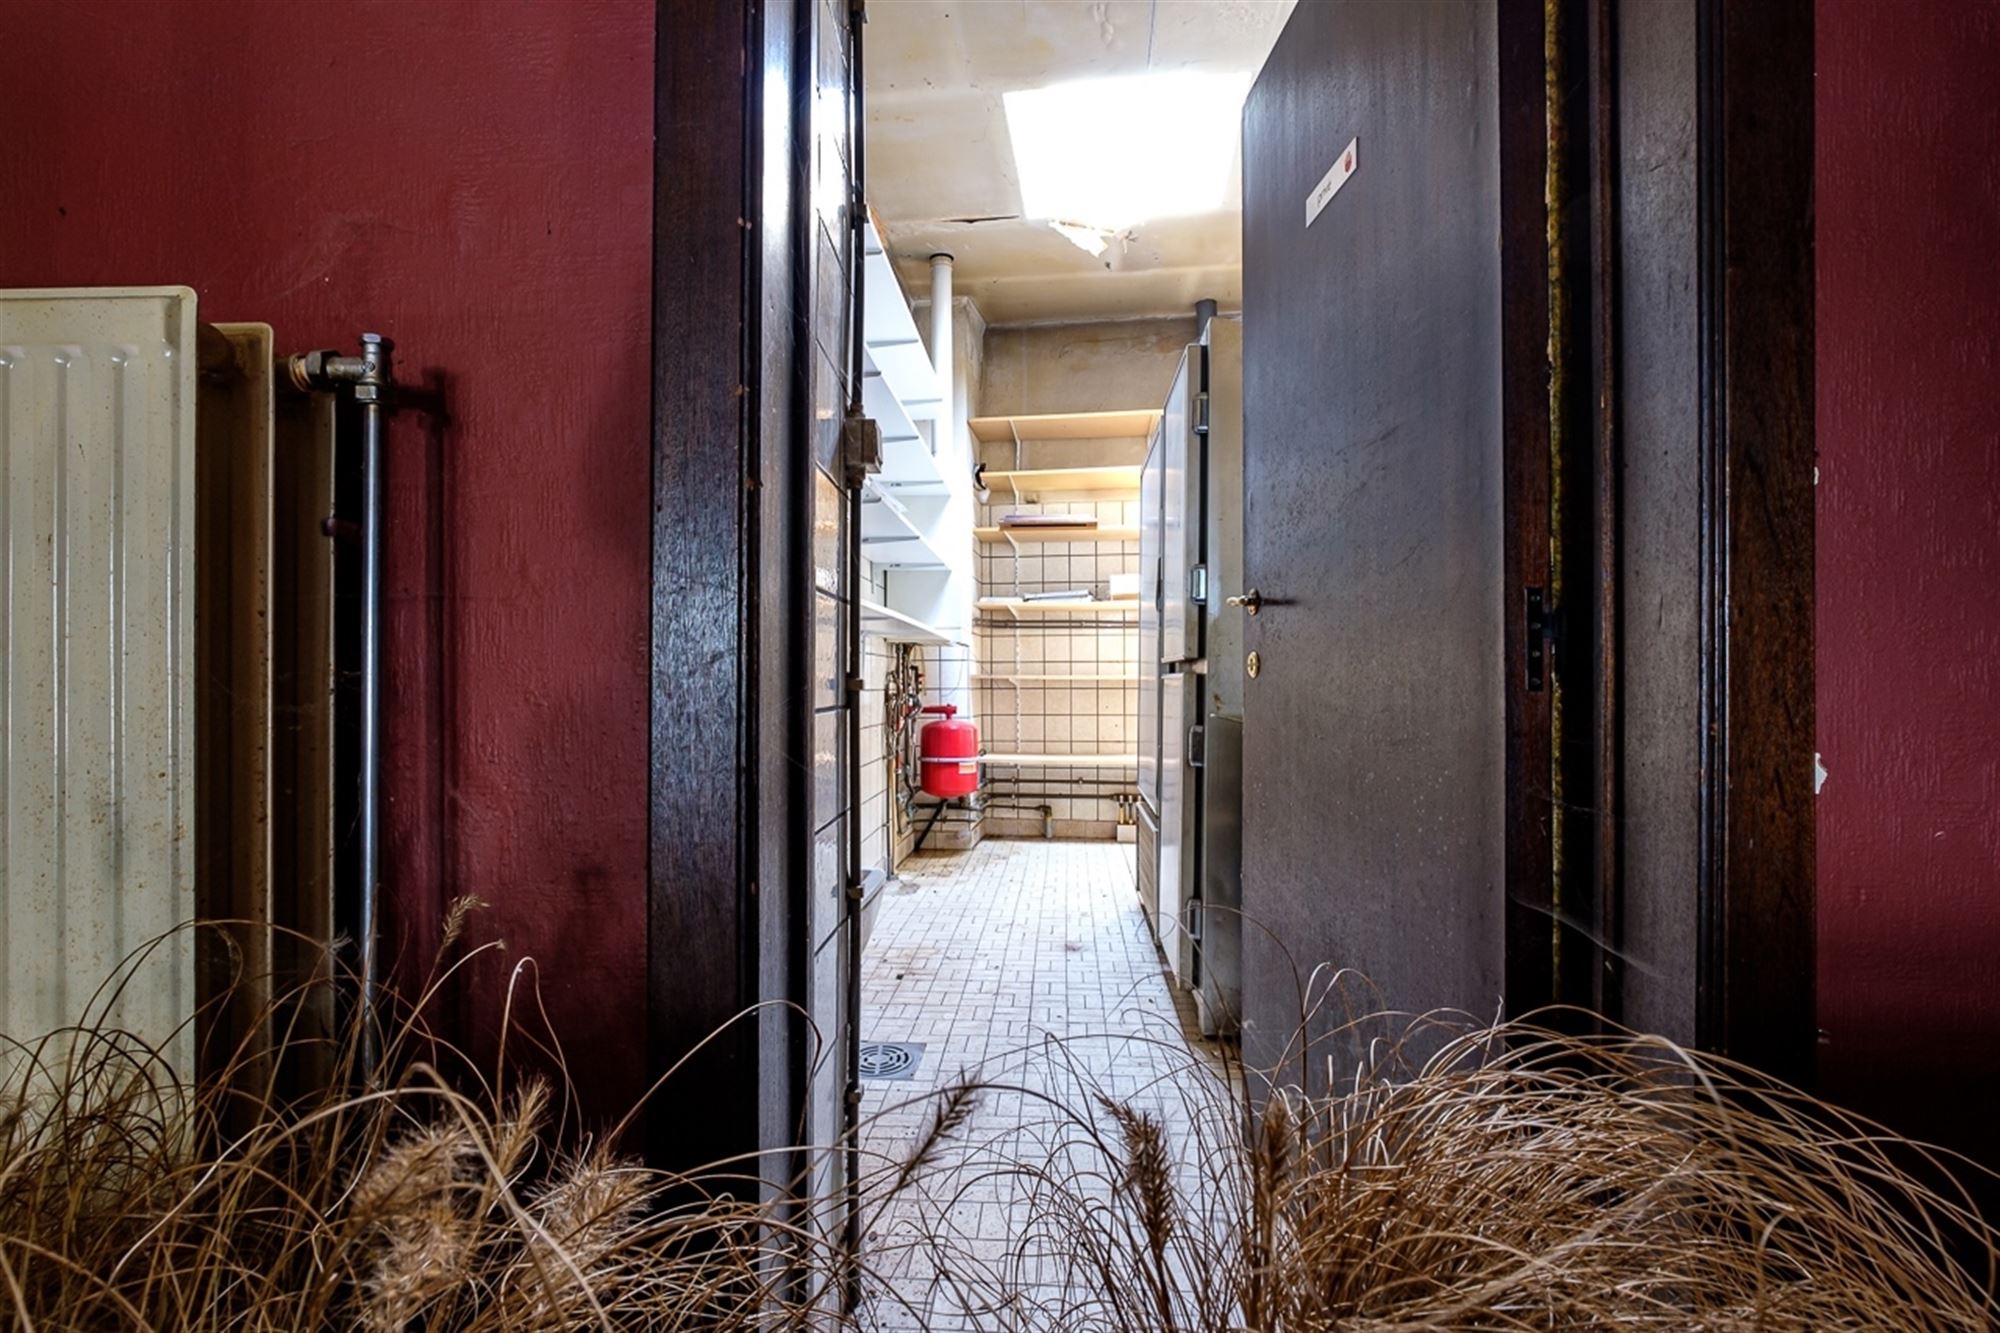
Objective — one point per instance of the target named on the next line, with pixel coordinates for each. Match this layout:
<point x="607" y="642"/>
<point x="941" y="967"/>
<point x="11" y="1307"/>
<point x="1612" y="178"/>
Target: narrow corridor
<point x="1025" y="965"/>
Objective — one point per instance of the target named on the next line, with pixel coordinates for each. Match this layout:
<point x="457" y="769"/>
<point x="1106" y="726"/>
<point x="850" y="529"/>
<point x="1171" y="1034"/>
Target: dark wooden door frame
<point x="728" y="842"/>
<point x="1753" y="902"/>
<point x="1756" y="984"/>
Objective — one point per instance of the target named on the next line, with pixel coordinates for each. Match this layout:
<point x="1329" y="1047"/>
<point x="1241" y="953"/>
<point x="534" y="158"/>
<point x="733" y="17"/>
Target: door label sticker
<point x="1329" y="184"/>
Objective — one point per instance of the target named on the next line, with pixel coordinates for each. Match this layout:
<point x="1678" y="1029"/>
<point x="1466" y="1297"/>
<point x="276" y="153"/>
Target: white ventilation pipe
<point x="947" y="427"/>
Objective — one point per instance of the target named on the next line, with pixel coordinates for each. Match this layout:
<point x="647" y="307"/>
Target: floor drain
<point x="890" y="1059"/>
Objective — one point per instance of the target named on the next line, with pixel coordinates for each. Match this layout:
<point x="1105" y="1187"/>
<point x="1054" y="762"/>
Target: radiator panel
<point x="97" y="779"/>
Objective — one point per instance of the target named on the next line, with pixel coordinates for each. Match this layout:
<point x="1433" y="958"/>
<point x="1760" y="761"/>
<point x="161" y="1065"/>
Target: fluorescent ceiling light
<point x="1108" y="154"/>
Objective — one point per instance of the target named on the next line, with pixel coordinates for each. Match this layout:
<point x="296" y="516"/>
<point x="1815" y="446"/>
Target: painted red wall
<point x="1908" y="203"/>
<point x="474" y="180"/>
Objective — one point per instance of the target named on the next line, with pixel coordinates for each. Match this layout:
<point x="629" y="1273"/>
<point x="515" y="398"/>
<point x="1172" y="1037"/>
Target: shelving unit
<point x="1102" y="490"/>
<point x="911" y="530"/>
<point x="1034" y="536"/>
<point x="892" y="534"/>
<point x="1127" y="678"/>
<point x="889" y="332"/>
<point x="1020" y="608"/>
<point x="1029" y="485"/>
<point x="1063" y="760"/>
<point x="907" y="461"/>
<point x="892" y="624"/>
<point x="1123" y="425"/>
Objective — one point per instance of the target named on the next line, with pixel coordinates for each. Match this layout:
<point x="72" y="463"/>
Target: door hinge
<point x="851" y="687"/>
<point x="860" y="448"/>
<point x="1198" y="583"/>
<point x="1193" y="913"/>
<point x="856" y="890"/>
<point x="1197" y="744"/>
<point x="1543" y="631"/>
<point x="1201" y="413"/>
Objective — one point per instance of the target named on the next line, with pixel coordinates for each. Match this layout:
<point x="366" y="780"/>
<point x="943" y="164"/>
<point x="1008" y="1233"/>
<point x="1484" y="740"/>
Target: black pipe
<point x="937" y="813"/>
<point x="370" y="378"/>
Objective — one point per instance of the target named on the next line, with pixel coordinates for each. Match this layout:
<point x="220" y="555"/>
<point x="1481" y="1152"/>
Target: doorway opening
<point x="1052" y="337"/>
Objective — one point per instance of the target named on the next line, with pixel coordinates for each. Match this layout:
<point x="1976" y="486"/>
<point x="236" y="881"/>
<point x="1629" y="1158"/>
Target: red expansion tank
<point x="950" y="754"/>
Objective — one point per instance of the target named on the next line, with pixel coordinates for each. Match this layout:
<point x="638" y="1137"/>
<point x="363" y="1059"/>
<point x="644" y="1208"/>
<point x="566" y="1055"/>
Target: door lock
<point x="1250" y="601"/>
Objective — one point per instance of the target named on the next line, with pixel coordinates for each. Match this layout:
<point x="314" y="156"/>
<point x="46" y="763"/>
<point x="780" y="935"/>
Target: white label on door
<point x="1329" y="184"/>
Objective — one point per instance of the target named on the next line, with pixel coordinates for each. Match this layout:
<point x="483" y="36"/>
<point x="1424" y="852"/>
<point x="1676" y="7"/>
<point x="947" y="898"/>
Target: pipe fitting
<point x="371" y="373"/>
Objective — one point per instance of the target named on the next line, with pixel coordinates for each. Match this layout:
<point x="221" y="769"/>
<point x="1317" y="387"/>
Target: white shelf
<point x="890" y="335"/>
<point x="891" y="535"/>
<point x="1035" y="536"/>
<point x="1129" y="678"/>
<point x="1019" y="607"/>
<point x="1065" y="426"/>
<point x="907" y="461"/>
<point x="884" y="623"/>
<point x="1027" y="484"/>
<point x="1130" y="761"/>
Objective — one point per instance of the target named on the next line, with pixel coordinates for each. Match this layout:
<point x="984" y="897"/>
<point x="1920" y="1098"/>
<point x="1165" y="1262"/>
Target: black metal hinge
<point x="1543" y="630"/>
<point x="860" y="448"/>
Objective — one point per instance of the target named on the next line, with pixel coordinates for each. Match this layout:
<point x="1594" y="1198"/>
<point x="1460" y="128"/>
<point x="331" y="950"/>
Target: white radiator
<point x="97" y="778"/>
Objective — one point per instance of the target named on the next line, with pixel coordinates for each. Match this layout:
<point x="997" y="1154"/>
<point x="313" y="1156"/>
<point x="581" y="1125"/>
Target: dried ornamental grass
<point x="1514" y="1177"/>
<point x="1467" y="1176"/>
<point x="420" y="1203"/>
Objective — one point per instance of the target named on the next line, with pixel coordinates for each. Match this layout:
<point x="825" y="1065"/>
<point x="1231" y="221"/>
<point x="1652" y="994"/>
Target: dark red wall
<point x="1908" y="186"/>
<point x="475" y="181"/>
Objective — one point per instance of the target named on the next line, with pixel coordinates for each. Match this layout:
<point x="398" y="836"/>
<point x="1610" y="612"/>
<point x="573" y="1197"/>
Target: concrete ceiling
<point x="941" y="169"/>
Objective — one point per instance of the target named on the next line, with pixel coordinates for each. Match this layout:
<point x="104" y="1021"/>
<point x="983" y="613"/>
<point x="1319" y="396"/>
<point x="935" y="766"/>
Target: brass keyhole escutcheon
<point x="1250" y="665"/>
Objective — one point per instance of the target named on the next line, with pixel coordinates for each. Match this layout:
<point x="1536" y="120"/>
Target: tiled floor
<point x="1025" y="969"/>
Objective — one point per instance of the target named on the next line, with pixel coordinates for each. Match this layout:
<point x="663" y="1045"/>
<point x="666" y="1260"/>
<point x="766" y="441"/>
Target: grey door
<point x="1149" y="625"/>
<point x="1180" y="828"/>
<point x="1181" y="485"/>
<point x="1373" y="741"/>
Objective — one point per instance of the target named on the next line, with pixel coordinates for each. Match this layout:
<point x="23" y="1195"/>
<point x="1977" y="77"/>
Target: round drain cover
<point x="887" y="1059"/>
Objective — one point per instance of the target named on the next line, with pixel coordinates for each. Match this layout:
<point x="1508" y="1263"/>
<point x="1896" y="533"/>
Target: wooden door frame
<point x="1756" y="982"/>
<point x="729" y="845"/>
<point x="1754" y="901"/>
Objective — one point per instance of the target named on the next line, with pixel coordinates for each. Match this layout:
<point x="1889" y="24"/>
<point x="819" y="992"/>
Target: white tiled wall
<point x="886" y="834"/>
<point x="876" y="656"/>
<point x="1062" y="716"/>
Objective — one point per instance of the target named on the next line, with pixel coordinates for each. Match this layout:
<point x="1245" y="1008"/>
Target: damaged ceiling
<point x="941" y="167"/>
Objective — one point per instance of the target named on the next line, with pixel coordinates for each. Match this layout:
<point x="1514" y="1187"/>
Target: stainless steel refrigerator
<point x="1191" y="687"/>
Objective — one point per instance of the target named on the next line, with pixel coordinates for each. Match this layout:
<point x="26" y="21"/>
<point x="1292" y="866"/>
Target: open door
<point x="1528" y="517"/>
<point x="1373" y="744"/>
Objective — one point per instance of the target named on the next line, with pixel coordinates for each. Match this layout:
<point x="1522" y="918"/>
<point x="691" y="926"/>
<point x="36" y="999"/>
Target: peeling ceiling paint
<point x="941" y="169"/>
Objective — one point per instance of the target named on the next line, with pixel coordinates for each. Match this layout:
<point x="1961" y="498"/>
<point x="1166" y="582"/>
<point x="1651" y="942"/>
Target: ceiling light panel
<point x="1109" y="154"/>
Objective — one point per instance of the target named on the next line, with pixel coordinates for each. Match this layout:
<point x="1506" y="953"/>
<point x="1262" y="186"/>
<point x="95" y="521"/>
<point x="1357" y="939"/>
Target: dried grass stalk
<point x="1509" y="1177"/>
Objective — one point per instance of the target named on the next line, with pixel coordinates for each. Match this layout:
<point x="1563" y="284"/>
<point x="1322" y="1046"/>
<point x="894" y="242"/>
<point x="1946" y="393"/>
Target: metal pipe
<point x="1204" y="311"/>
<point x="946" y="431"/>
<point x="937" y="813"/>
<point x="371" y="377"/>
<point x="369" y="394"/>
